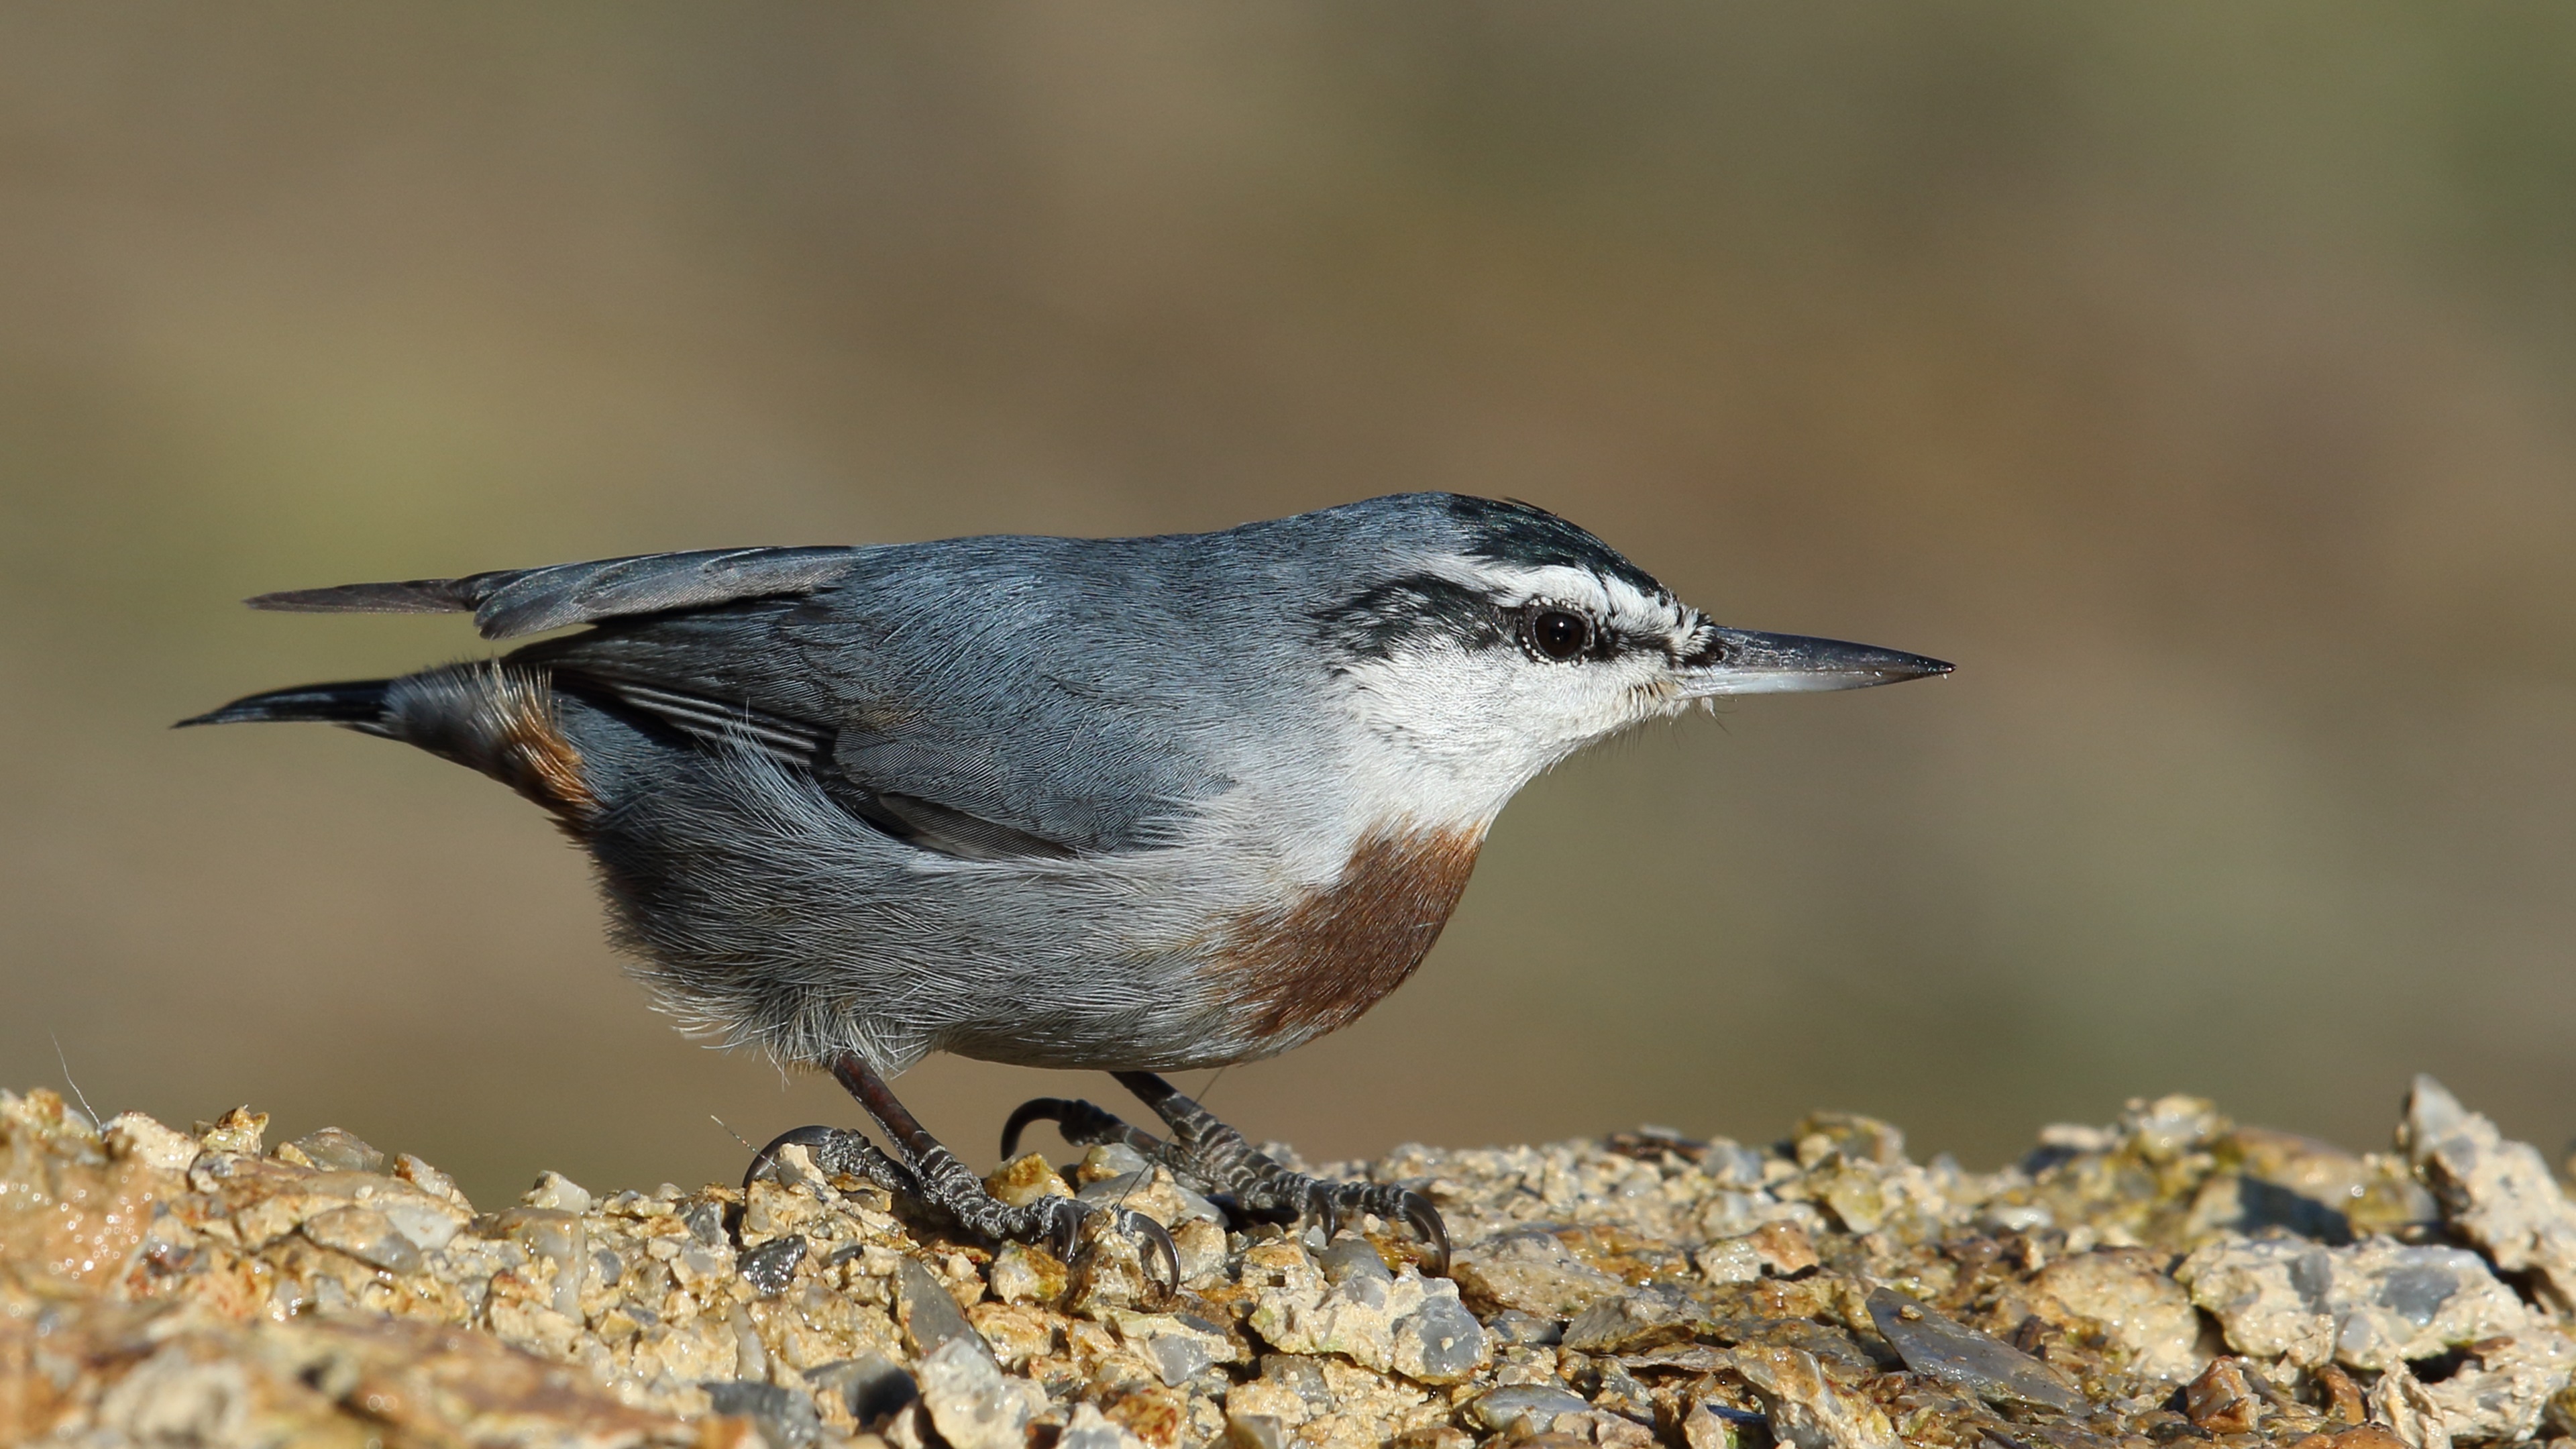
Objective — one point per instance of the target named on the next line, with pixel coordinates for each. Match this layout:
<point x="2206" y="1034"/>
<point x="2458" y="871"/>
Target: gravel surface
<point x="2172" y="1277"/>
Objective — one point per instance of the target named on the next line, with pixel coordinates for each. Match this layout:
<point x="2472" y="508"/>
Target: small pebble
<point x="2221" y="1401"/>
<point x="1950" y="1352"/>
<point x="556" y="1191"/>
<point x="929" y="1314"/>
<point x="968" y="1399"/>
<point x="770" y="1267"/>
<point x="335" y="1150"/>
<point x="705" y="1221"/>
<point x="1106" y="1161"/>
<point x="366" y="1235"/>
<point x="1508" y="1409"/>
<point x="1350" y="1255"/>
<point x="239" y="1130"/>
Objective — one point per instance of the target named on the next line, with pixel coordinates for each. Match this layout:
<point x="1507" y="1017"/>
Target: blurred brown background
<point x="2198" y="376"/>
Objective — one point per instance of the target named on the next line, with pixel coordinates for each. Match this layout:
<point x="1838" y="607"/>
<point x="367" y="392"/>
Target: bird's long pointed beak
<point x="1740" y="661"/>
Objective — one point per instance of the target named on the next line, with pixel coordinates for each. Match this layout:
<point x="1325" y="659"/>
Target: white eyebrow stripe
<point x="1617" y="602"/>
<point x="1522" y="583"/>
<point x="1656" y="611"/>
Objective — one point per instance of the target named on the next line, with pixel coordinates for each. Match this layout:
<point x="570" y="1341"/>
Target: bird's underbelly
<point x="803" y="931"/>
<point x="1257" y="977"/>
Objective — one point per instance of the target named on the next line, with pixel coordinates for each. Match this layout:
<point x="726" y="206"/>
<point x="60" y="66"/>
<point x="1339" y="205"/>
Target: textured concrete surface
<point x="2169" y="1277"/>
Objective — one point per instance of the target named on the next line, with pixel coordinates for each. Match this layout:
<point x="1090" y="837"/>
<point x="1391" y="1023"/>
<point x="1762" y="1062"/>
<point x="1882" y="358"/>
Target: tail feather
<point x="358" y="704"/>
<point x="415" y="596"/>
<point x="491" y="716"/>
<point x="507" y="603"/>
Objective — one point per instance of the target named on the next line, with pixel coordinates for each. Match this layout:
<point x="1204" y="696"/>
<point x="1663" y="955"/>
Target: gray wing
<point x="989" y="696"/>
<point x="809" y="746"/>
<point x="510" y="602"/>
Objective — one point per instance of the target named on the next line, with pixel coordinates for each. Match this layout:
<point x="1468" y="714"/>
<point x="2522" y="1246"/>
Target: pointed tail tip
<point x="415" y="596"/>
<point x="356" y="702"/>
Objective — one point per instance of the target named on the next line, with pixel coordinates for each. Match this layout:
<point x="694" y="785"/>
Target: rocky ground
<point x="2172" y="1277"/>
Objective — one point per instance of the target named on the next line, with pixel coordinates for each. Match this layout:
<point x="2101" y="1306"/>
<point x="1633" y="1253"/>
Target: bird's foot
<point x="1213" y="1155"/>
<point x="929" y="1175"/>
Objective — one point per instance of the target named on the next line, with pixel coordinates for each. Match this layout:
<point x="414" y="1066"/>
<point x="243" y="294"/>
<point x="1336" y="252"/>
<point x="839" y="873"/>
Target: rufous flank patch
<point x="1313" y="966"/>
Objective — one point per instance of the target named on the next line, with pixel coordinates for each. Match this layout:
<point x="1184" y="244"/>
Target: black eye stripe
<point x="1433" y="610"/>
<point x="1388" y="616"/>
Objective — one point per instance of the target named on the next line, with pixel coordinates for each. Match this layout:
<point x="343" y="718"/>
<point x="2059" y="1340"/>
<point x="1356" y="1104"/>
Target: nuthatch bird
<point x="1138" y="804"/>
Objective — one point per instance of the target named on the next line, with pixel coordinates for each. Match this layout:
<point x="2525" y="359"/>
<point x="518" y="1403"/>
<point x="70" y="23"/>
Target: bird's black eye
<point x="1559" y="634"/>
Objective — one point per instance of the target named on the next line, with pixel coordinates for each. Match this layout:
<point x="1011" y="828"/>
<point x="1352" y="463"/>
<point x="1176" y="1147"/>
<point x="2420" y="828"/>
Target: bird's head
<point x="1501" y="638"/>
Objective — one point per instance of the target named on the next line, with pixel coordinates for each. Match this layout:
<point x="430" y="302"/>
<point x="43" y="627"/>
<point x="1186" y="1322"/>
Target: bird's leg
<point x="1220" y="1157"/>
<point x="1210" y="1152"/>
<point x="920" y="1170"/>
<point x="837" y="1152"/>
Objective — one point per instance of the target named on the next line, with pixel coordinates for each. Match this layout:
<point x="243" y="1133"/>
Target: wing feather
<point x="788" y="741"/>
<point x="923" y="823"/>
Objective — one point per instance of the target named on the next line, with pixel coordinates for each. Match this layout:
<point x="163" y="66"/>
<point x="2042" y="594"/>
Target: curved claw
<point x="1065" y="1237"/>
<point x="1035" y="1109"/>
<point x="763" y="1161"/>
<point x="1327" y="1212"/>
<point x="1064" y="1234"/>
<point x="1160" y="1239"/>
<point x="1426" y="1222"/>
<point x="767" y="1157"/>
